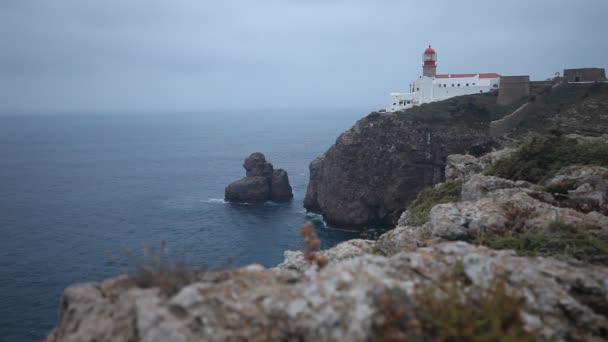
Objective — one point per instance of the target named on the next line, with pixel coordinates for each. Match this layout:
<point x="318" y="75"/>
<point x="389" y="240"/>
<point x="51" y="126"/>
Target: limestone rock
<point x="248" y="189"/>
<point x="344" y="250"/>
<point x="403" y="239"/>
<point x="561" y="301"/>
<point x="464" y="166"/>
<point x="403" y="218"/>
<point x="502" y="211"/>
<point x="262" y="183"/>
<point x="280" y="189"/>
<point x="479" y="185"/>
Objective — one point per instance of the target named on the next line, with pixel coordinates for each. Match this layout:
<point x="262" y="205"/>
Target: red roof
<point x="429" y="50"/>
<point x="486" y="75"/>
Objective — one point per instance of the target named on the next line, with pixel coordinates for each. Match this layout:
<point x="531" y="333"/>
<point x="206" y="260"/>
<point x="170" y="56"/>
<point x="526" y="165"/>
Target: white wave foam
<point x="216" y="200"/>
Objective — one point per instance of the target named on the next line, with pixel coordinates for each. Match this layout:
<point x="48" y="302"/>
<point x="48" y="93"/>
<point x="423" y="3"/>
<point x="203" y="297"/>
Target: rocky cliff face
<point x="374" y="170"/>
<point x="377" y="167"/>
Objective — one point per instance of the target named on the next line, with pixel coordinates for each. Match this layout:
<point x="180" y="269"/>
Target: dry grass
<point x="452" y="309"/>
<point x="313" y="244"/>
<point x="158" y="269"/>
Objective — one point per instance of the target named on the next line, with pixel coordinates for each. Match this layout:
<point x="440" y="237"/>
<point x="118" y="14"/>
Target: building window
<point x="452" y="84"/>
<point x="495" y="86"/>
<point x="394" y="104"/>
<point x="445" y="85"/>
<point x="467" y="84"/>
<point x="417" y="89"/>
<point x="459" y="84"/>
<point x="473" y="83"/>
<point x="481" y="91"/>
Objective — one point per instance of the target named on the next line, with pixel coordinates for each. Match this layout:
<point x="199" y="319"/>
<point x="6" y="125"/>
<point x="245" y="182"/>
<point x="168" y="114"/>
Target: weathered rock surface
<point x="505" y="210"/>
<point x="562" y="301"/>
<point x="294" y="260"/>
<point x="280" y="189"/>
<point x="248" y="189"/>
<point x="464" y="166"/>
<point x="479" y="185"/>
<point x="376" y="168"/>
<point x="403" y="239"/>
<point x="262" y="183"/>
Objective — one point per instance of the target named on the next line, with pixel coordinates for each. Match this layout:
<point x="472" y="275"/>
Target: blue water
<point x="76" y="188"/>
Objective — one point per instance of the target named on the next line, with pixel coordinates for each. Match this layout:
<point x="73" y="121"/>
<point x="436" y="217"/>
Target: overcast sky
<point x="202" y="55"/>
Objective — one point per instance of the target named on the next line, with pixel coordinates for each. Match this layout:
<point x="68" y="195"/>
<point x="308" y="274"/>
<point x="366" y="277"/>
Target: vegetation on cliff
<point x="558" y="239"/>
<point x="418" y="211"/>
<point x="452" y="309"/>
<point x="541" y="157"/>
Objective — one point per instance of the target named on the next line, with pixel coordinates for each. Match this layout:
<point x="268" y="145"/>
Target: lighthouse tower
<point x="429" y="59"/>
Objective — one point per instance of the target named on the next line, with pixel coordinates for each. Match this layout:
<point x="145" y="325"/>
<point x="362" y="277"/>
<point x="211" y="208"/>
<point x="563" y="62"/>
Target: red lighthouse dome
<point x="429" y="68"/>
<point x="430" y="56"/>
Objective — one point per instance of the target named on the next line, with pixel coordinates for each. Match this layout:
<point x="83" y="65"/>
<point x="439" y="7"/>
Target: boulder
<point x="479" y="185"/>
<point x="464" y="166"/>
<point x="403" y="239"/>
<point x="248" y="189"/>
<point x="280" y="189"/>
<point x="262" y="183"/>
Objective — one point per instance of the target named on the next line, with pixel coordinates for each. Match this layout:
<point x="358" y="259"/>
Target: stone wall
<point x="500" y="127"/>
<point x="513" y="88"/>
<point x="585" y="75"/>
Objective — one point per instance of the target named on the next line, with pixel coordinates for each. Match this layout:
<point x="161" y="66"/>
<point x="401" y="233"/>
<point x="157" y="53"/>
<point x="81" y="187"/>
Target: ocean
<point x="77" y="189"/>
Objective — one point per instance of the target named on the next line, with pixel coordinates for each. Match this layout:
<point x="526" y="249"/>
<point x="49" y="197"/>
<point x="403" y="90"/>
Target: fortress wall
<point x="585" y="75"/>
<point x="539" y="87"/>
<point x="503" y="126"/>
<point x="513" y="88"/>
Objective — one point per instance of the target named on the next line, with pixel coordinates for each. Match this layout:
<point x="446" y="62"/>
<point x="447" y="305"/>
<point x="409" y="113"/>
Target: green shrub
<point x="444" y="193"/>
<point x="560" y="187"/>
<point x="558" y="240"/>
<point x="541" y="158"/>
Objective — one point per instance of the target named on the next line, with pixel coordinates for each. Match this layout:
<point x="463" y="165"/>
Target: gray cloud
<point x="74" y="55"/>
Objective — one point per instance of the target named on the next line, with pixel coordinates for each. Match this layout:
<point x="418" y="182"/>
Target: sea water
<point x="77" y="189"/>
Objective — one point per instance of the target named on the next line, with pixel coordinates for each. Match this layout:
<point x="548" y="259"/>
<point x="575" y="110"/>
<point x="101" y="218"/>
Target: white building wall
<point x="430" y="89"/>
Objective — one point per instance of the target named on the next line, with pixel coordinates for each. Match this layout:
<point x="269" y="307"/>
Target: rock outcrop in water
<point x="261" y="183"/>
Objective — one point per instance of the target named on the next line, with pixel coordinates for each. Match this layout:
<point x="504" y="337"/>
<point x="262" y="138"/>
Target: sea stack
<point x="261" y="183"/>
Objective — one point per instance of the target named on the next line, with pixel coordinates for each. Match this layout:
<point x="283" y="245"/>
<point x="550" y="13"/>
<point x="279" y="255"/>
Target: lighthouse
<point x="431" y="87"/>
<point x="429" y="60"/>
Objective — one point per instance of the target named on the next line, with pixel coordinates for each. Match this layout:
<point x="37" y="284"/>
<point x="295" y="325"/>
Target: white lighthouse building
<point x="431" y="87"/>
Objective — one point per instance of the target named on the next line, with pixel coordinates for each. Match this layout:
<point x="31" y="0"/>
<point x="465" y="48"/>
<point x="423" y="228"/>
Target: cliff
<point x="531" y="264"/>
<point x="374" y="170"/>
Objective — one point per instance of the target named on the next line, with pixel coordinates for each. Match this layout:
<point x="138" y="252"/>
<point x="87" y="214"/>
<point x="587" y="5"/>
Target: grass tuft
<point x="157" y="269"/>
<point x="420" y="208"/>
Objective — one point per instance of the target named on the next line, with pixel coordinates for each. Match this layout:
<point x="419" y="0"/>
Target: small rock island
<point x="261" y="183"/>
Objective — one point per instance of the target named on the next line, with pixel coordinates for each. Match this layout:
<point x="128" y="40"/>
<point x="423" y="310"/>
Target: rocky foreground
<point x="414" y="283"/>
